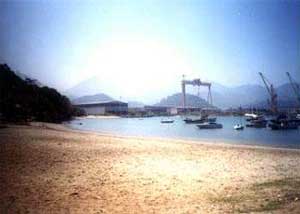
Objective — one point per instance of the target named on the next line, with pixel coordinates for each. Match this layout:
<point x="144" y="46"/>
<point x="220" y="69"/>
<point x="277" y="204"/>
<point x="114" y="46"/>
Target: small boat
<point x="258" y="117"/>
<point x="284" y="125"/>
<point x="167" y="121"/>
<point x="200" y="120"/>
<point x="189" y="120"/>
<point x="251" y="116"/>
<point x="238" y="127"/>
<point x="257" y="124"/>
<point x="294" y="118"/>
<point x="212" y="119"/>
<point x="261" y="122"/>
<point x="211" y="125"/>
<point x="283" y="122"/>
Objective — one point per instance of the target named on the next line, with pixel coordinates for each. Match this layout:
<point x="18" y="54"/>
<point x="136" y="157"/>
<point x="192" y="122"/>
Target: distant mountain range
<point x="233" y="97"/>
<point x="103" y="98"/>
<point x="92" y="98"/>
<point x="223" y="97"/>
<point x="87" y="87"/>
<point x="251" y="96"/>
<point x="244" y="95"/>
<point x="176" y="100"/>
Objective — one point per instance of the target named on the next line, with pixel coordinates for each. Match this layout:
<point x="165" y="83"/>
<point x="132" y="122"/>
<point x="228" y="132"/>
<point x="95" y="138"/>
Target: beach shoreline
<point x="51" y="168"/>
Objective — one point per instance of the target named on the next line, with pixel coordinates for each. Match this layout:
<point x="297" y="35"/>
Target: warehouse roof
<point x="101" y="103"/>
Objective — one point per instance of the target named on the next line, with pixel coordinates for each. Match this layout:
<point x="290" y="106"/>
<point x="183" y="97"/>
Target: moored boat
<point x="238" y="127"/>
<point x="211" y="119"/>
<point x="200" y="120"/>
<point x="167" y="121"/>
<point x="257" y="124"/>
<point x="210" y="125"/>
<point x="284" y="122"/>
<point x="189" y="120"/>
<point x="283" y="125"/>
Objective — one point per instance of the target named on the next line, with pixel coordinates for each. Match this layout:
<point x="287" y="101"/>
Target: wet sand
<point x="50" y="169"/>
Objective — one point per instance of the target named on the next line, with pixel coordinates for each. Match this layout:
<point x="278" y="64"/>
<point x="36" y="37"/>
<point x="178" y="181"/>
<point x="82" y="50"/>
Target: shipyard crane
<point x="295" y="87"/>
<point x="195" y="82"/>
<point x="271" y="90"/>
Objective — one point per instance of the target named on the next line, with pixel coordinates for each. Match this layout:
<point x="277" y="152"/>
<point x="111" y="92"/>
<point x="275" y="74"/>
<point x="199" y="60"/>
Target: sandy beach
<point x="51" y="169"/>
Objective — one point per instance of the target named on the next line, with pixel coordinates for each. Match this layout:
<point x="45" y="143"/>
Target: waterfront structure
<point x="104" y="108"/>
<point x="195" y="82"/>
<point x="161" y="110"/>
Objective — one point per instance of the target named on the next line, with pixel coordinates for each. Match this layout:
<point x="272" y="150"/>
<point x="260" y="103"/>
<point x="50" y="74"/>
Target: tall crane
<point x="271" y="90"/>
<point x="195" y="82"/>
<point x="295" y="87"/>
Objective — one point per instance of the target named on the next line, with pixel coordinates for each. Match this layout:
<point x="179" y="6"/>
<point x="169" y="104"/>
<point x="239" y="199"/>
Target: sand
<point x="51" y="169"/>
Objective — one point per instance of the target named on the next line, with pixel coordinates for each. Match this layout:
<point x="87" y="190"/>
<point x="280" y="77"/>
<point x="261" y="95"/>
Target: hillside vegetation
<point x="24" y="100"/>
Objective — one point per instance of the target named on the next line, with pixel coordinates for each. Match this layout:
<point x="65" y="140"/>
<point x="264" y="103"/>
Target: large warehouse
<point x="103" y="108"/>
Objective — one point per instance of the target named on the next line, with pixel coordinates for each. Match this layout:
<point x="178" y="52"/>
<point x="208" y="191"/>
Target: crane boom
<point x="266" y="83"/>
<point x="272" y="93"/>
<point x="295" y="87"/>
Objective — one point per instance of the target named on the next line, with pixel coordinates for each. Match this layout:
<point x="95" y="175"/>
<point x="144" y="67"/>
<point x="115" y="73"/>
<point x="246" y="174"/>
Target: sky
<point x="140" y="49"/>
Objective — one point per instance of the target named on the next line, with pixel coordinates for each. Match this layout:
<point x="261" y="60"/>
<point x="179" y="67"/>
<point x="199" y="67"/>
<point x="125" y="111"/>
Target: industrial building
<point x="104" y="108"/>
<point x="161" y="110"/>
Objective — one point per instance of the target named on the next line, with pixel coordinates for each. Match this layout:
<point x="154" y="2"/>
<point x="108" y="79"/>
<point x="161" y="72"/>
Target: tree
<point x="23" y="100"/>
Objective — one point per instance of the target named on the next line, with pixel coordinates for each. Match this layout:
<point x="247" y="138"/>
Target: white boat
<point x="251" y="115"/>
<point x="238" y="127"/>
<point x="167" y="121"/>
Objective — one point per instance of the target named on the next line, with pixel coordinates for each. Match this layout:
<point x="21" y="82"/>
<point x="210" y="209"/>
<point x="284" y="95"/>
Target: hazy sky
<point x="139" y="47"/>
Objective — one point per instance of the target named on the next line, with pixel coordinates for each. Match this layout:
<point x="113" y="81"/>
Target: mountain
<point x="286" y="97"/>
<point x="87" y="87"/>
<point x="176" y="100"/>
<point x="227" y="97"/>
<point x="286" y="91"/>
<point x="127" y="91"/>
<point x="92" y="98"/>
<point x="135" y="104"/>
<point x="250" y="95"/>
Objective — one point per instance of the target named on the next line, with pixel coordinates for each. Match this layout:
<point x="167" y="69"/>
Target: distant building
<point x="161" y="110"/>
<point x="103" y="108"/>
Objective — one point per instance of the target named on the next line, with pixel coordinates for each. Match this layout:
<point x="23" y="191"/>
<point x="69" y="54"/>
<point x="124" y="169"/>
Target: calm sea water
<point x="151" y="127"/>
